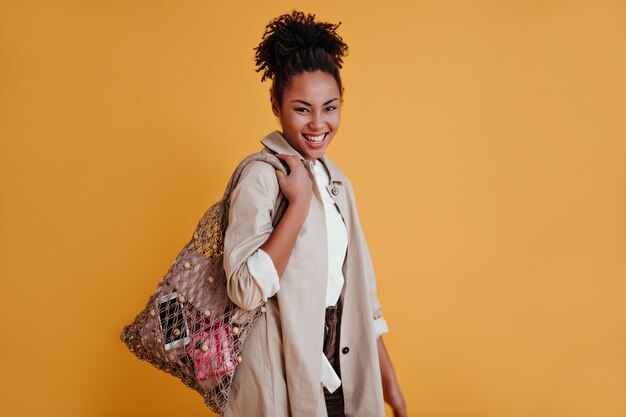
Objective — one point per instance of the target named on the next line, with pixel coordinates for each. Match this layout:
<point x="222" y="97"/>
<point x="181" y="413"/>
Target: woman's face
<point x="310" y="112"/>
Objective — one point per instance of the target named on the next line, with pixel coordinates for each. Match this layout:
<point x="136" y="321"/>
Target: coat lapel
<point x="338" y="190"/>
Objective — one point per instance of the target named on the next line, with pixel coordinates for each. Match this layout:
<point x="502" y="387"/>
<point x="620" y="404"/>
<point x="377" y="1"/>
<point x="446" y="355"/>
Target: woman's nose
<point x="317" y="121"/>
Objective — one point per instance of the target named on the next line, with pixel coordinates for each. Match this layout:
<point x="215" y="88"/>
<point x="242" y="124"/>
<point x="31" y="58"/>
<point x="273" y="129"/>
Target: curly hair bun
<point x="295" y="42"/>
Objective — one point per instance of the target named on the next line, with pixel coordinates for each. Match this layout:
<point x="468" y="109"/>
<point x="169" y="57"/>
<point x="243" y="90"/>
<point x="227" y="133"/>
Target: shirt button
<point x="335" y="191"/>
<point x="345" y="350"/>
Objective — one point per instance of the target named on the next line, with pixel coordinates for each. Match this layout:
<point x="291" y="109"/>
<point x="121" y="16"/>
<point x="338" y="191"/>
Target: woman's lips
<point x="319" y="138"/>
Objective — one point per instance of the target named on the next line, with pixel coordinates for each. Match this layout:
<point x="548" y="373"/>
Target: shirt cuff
<point x="330" y="380"/>
<point x="262" y="269"/>
<point x="380" y="326"/>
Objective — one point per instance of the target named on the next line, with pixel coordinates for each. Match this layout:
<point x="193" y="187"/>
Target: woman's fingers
<point x="297" y="185"/>
<point x="291" y="160"/>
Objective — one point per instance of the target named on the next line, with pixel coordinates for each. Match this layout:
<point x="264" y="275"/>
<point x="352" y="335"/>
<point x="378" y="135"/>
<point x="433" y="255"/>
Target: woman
<point x="317" y="350"/>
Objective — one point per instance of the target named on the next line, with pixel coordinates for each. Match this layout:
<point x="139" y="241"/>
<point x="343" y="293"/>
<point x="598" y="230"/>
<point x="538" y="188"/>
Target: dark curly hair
<point x="295" y="43"/>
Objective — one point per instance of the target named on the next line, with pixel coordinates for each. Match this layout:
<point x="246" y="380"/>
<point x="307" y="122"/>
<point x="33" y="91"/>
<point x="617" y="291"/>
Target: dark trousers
<point x="334" y="401"/>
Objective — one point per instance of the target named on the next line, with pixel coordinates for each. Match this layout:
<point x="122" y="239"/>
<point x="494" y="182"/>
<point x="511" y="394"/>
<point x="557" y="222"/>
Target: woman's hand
<point x="394" y="398"/>
<point x="391" y="390"/>
<point x="296" y="186"/>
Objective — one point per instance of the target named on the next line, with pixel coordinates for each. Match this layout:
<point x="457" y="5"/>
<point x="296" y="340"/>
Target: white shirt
<point x="263" y="271"/>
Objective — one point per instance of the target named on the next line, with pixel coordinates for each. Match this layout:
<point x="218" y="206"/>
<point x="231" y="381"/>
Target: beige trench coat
<point x="280" y="374"/>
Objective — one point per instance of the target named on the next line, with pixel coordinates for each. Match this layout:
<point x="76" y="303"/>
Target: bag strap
<point x="281" y="202"/>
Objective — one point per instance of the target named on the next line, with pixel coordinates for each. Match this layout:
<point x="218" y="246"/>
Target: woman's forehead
<point x="313" y="87"/>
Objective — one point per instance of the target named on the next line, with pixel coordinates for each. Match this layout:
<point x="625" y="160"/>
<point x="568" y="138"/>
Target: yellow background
<point x="486" y="141"/>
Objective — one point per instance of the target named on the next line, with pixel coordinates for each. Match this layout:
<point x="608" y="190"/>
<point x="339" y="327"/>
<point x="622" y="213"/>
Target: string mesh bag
<point x="189" y="327"/>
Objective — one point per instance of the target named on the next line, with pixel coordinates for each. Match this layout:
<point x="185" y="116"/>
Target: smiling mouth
<point x="315" y="138"/>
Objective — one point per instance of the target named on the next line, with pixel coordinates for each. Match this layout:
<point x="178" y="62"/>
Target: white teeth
<point x="317" y="138"/>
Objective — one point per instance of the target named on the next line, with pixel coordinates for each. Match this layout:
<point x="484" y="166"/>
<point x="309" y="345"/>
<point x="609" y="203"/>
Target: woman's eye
<point x="330" y="108"/>
<point x="302" y="110"/>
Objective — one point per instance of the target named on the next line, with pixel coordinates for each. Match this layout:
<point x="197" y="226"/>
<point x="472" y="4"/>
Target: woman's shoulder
<point x="258" y="173"/>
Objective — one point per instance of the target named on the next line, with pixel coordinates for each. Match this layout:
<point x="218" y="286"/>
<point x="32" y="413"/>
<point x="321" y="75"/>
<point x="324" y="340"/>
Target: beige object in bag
<point x="190" y="328"/>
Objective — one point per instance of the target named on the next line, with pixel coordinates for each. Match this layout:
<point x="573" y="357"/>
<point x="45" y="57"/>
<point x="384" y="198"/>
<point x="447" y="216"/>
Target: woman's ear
<point x="275" y="106"/>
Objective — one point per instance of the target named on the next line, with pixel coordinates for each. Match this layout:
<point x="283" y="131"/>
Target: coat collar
<point x="277" y="143"/>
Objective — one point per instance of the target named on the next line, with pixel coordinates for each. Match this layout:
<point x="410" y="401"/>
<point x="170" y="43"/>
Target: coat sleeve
<point x="376" y="306"/>
<point x="249" y="226"/>
<point x="368" y="267"/>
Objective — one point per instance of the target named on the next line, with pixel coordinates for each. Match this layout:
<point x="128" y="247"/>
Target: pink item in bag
<point x="212" y="352"/>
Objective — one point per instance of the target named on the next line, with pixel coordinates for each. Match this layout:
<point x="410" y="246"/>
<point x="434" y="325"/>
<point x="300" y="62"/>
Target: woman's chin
<point x="315" y="150"/>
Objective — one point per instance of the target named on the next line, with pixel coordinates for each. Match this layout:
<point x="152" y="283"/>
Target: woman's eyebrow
<point x="309" y="104"/>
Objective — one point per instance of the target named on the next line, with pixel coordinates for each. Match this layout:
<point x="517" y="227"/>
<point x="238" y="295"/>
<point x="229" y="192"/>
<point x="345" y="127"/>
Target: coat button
<point x="335" y="191"/>
<point x="345" y="350"/>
